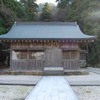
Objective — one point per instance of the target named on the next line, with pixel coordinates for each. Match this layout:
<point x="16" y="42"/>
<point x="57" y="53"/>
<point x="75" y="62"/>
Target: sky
<point x="49" y="1"/>
<point x="43" y="1"/>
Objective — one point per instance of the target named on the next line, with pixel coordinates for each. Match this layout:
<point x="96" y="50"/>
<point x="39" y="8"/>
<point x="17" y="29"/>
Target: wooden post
<point x="11" y="67"/>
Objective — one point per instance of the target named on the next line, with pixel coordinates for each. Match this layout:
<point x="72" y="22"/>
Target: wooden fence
<point x="40" y="64"/>
<point x="71" y="64"/>
<point x="27" y="64"/>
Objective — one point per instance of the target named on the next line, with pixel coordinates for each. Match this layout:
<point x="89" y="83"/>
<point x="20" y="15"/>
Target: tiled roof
<point x="45" y="30"/>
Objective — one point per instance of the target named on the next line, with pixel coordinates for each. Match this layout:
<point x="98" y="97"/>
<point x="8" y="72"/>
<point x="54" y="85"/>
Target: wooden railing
<point x="70" y="64"/>
<point x="27" y="64"/>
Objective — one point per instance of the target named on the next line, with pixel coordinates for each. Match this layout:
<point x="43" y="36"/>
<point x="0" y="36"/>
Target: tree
<point x="62" y="9"/>
<point x="46" y="13"/>
<point x="2" y="29"/>
<point x="30" y="8"/>
<point x="85" y="12"/>
<point x="63" y="3"/>
<point x="6" y="16"/>
<point x="10" y="11"/>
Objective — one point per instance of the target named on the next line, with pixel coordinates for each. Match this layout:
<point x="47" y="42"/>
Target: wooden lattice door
<point x="53" y="57"/>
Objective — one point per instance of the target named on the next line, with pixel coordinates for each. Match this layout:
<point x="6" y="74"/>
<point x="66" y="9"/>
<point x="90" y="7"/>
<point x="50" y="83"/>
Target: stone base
<point x="53" y="71"/>
<point x="75" y="72"/>
<point x="22" y="72"/>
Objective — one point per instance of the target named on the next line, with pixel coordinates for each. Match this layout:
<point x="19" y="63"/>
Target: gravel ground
<point x="17" y="92"/>
<point x="8" y="92"/>
<point x="92" y="79"/>
<point x="87" y="92"/>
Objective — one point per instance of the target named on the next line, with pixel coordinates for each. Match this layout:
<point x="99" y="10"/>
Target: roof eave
<point x="92" y="38"/>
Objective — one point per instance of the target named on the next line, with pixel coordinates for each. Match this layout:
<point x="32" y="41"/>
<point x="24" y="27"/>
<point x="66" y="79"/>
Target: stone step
<point x="53" y="71"/>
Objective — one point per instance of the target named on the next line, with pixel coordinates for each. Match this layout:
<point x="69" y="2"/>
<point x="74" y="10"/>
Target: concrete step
<point x="53" y="71"/>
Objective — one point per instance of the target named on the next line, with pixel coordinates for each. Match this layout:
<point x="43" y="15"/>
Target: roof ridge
<point x="46" y="23"/>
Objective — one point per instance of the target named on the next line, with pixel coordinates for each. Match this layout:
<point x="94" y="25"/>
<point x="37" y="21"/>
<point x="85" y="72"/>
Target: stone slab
<point x="53" y="68"/>
<point x="52" y="88"/>
<point x="53" y="71"/>
<point x="19" y="80"/>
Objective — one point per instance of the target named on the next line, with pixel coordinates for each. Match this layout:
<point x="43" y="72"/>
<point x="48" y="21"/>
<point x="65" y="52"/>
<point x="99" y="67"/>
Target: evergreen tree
<point x="62" y="9"/>
<point x="30" y="8"/>
<point x="46" y="13"/>
<point x="63" y="3"/>
<point x="12" y="10"/>
<point x="82" y="11"/>
<point x="6" y="17"/>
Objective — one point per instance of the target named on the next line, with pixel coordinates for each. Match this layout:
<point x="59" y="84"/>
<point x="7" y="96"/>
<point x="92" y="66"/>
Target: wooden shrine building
<point x="35" y="45"/>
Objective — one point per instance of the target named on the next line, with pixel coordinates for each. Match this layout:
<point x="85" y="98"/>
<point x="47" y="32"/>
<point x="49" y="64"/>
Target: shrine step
<point x="53" y="71"/>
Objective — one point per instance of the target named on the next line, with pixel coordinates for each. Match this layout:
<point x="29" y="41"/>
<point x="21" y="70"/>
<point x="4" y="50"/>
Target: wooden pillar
<point x="28" y="54"/>
<point x="11" y="67"/>
<point x="87" y="50"/>
<point x="78" y="59"/>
